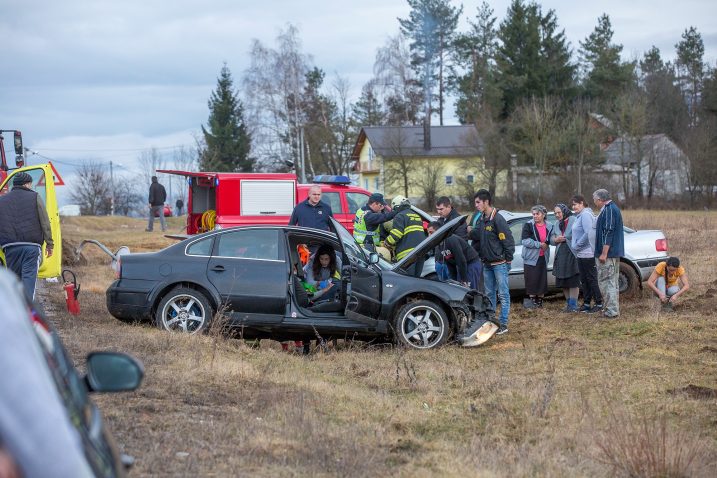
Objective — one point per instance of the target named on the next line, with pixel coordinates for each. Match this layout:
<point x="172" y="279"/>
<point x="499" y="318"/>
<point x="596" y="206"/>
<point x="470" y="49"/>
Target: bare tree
<point x="429" y="179"/>
<point x="129" y="200"/>
<point x="398" y="162"/>
<point x="400" y="88"/>
<point x="631" y="121"/>
<point x="150" y="161"/>
<point x="273" y="87"/>
<point x="93" y="189"/>
<point x="581" y="141"/>
<point x="536" y="133"/>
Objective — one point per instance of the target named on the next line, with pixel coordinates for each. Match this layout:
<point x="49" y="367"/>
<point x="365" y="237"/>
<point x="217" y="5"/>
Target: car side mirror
<point x="113" y="372"/>
<point x="373" y="258"/>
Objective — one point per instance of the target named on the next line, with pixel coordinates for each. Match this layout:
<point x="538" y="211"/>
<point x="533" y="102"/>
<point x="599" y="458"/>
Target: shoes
<point x="148" y="230"/>
<point x="668" y="307"/>
<point x="478" y="332"/>
<point x="502" y="330"/>
<point x="609" y="316"/>
<point x="528" y="303"/>
<point x="585" y="308"/>
<point x="595" y="308"/>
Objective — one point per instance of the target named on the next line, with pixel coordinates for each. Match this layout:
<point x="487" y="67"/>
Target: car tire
<point x="184" y="310"/>
<point x="422" y="324"/>
<point x="629" y="282"/>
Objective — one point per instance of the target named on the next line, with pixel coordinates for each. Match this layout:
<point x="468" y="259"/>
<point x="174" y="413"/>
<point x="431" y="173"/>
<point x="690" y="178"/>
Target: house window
<point x="449" y="180"/>
<point x="365" y="183"/>
<point x="370" y="158"/>
<point x="470" y="179"/>
<point x="375" y="184"/>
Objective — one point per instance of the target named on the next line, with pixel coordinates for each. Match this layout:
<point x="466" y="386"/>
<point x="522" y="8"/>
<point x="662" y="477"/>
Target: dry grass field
<point x="557" y="396"/>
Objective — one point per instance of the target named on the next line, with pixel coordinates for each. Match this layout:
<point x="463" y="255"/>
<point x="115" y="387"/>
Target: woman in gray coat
<point x="565" y="265"/>
<point x="535" y="239"/>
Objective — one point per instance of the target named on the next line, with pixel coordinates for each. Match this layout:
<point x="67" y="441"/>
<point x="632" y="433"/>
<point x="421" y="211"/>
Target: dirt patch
<point x="707" y="349"/>
<point x="696" y="391"/>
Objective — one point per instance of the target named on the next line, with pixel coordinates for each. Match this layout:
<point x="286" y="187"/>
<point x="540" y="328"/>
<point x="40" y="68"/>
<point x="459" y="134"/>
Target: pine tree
<point x="691" y="68"/>
<point x="606" y="76"/>
<point x="227" y="140"/>
<point x="533" y="59"/>
<point x="431" y="27"/>
<point x="666" y="110"/>
<point x="368" y="111"/>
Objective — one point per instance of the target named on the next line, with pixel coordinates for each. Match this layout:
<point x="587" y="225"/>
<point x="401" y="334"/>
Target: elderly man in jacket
<point x="24" y="227"/>
<point x="609" y="248"/>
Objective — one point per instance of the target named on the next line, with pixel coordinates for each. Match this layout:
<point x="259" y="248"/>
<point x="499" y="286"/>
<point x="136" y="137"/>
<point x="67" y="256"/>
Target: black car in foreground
<point x="48" y="423"/>
<point x="253" y="276"/>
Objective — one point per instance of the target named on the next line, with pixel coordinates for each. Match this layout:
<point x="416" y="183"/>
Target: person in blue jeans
<point x="492" y="238"/>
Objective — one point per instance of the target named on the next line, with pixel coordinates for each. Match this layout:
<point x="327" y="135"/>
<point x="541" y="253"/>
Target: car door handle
<point x="218" y="268"/>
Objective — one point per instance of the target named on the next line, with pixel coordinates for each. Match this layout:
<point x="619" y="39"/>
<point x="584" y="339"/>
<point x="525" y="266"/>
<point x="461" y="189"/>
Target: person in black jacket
<point x="313" y="212"/>
<point x="24" y="226"/>
<point x="157" y="196"/>
<point x="446" y="212"/>
<point x="461" y="259"/>
<point x="496" y="247"/>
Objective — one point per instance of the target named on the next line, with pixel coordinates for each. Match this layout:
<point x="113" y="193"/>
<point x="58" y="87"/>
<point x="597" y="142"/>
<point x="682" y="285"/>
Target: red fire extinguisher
<point x="72" y="290"/>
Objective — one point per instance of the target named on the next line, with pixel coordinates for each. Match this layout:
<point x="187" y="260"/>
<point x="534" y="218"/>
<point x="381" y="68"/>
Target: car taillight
<point x="661" y="245"/>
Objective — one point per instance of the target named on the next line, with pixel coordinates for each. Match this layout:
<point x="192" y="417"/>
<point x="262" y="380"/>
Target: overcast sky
<point x="104" y="80"/>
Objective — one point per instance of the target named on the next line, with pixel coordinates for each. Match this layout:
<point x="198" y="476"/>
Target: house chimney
<point x="427" y="133"/>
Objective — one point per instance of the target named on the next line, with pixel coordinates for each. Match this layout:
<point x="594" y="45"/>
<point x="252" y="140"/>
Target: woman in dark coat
<point x="565" y="265"/>
<point x="536" y="255"/>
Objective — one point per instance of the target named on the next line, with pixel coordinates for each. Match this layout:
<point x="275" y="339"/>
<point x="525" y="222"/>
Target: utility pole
<point x="112" y="185"/>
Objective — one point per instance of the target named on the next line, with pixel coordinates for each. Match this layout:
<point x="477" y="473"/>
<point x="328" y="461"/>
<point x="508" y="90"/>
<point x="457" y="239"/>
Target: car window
<point x="333" y="200"/>
<point x="250" y="244"/>
<point x="356" y="201"/>
<point x="516" y="228"/>
<point x="201" y="248"/>
<point x="351" y="248"/>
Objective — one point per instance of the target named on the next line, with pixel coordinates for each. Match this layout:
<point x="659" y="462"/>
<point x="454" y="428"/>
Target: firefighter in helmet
<point x="407" y="231"/>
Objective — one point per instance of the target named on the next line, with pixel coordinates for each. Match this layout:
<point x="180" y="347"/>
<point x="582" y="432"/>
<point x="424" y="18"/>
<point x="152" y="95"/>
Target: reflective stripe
<point x="403" y="254"/>
<point x="413" y="229"/>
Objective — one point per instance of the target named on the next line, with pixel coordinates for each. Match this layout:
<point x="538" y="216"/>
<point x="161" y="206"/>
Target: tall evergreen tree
<point x="666" y="110"/>
<point x="473" y="75"/>
<point x="606" y="76"/>
<point x="691" y="68"/>
<point x="533" y="59"/>
<point x="368" y="110"/>
<point x="431" y="27"/>
<point x="227" y="140"/>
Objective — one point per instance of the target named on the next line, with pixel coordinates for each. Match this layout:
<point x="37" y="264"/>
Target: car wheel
<point x="421" y="325"/>
<point x="628" y="282"/>
<point x="184" y="310"/>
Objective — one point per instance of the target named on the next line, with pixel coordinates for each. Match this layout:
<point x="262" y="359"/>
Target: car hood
<point x="429" y="243"/>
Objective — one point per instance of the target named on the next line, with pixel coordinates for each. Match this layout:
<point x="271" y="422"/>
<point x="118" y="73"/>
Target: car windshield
<point x="352" y="249"/>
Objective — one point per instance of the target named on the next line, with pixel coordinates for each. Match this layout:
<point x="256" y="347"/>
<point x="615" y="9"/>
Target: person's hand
<point x="48" y="251"/>
<point x="543" y="246"/>
<point x="466" y="284"/>
<point x="672" y="300"/>
<point x="560" y="239"/>
<point x="470" y="228"/>
<point x="602" y="258"/>
<point x="663" y="298"/>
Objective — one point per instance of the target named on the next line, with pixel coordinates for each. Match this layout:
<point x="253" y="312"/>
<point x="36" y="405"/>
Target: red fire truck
<point x="19" y="158"/>
<point x="221" y="200"/>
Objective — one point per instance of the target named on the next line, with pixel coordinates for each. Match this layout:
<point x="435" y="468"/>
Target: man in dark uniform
<point x="446" y="212"/>
<point x="407" y="231"/>
<point x="24" y="226"/>
<point x="461" y="259"/>
<point x="313" y="212"/>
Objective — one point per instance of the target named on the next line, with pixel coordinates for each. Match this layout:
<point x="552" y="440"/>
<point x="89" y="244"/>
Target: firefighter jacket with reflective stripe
<point x="406" y="234"/>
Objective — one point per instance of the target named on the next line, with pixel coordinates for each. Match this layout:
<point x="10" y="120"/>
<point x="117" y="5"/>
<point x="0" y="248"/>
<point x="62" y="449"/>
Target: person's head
<point x="673" y="263"/>
<point x="325" y="257"/>
<point x="433" y="226"/>
<point x="22" y="180"/>
<point x="154" y="179"/>
<point x="376" y="202"/>
<point x="539" y="212"/>
<point x="444" y="206"/>
<point x="482" y="200"/>
<point x="314" y="195"/>
<point x="400" y="201"/>
<point x="578" y="203"/>
<point x="600" y="197"/>
<point x="561" y="211"/>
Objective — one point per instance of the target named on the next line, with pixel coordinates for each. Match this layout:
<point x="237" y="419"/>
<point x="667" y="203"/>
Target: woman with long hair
<point x="321" y="271"/>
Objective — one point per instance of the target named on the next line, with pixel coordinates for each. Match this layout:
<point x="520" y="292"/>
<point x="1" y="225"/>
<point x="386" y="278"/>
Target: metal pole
<point x="301" y="155"/>
<point x="112" y="185"/>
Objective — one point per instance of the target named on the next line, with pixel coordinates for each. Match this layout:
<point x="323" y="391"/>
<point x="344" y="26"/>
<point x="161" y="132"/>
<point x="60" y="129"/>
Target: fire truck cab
<point x="221" y="200"/>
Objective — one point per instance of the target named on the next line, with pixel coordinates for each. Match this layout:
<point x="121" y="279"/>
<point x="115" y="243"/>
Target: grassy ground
<point x="557" y="396"/>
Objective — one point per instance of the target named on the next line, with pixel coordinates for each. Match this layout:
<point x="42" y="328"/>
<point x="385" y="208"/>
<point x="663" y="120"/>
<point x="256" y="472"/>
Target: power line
<point x="108" y="150"/>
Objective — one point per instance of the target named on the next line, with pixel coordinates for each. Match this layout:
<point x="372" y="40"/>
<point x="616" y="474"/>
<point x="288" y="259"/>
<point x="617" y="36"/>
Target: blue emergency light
<point x="330" y="179"/>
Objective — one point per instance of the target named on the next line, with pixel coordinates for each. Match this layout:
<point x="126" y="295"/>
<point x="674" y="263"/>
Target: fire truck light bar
<point x="329" y="179"/>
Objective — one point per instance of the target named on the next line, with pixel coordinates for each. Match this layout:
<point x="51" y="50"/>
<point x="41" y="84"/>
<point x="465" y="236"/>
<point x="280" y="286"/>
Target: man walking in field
<point x="609" y="248"/>
<point x="24" y="226"/>
<point x="157" y="196"/>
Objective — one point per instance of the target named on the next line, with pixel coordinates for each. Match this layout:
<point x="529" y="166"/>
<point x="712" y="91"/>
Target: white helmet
<point x="399" y="201"/>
